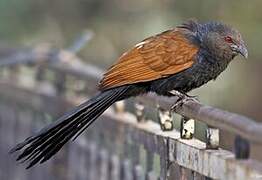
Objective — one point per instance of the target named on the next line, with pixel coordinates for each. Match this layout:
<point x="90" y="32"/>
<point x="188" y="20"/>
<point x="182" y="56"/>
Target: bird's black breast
<point x="204" y="69"/>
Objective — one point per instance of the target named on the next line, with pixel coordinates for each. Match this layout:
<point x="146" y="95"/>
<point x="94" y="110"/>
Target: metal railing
<point x="124" y="145"/>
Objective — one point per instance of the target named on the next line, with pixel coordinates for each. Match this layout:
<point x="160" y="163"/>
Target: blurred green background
<point x="119" y="24"/>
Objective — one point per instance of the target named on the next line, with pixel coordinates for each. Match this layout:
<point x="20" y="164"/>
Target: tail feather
<point x="47" y="142"/>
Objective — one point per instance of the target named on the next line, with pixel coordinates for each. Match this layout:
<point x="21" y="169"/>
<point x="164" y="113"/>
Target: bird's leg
<point x="182" y="98"/>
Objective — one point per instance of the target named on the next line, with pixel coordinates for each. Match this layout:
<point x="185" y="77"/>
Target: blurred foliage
<point x="119" y="24"/>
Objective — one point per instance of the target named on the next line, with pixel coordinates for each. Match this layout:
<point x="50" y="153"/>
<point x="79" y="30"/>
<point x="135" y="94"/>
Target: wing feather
<point x="156" y="57"/>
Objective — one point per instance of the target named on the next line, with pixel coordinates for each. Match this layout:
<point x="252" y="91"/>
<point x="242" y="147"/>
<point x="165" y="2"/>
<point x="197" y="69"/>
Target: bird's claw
<point x="182" y="99"/>
<point x="194" y="98"/>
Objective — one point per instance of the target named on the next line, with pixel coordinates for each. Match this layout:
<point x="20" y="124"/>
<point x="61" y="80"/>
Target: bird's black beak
<point x="240" y="49"/>
<point x="243" y="51"/>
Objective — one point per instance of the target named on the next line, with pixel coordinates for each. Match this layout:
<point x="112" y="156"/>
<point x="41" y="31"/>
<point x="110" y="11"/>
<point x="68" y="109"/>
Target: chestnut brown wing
<point x="156" y="57"/>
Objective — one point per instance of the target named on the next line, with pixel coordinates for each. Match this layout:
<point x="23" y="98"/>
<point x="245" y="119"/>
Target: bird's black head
<point x="221" y="40"/>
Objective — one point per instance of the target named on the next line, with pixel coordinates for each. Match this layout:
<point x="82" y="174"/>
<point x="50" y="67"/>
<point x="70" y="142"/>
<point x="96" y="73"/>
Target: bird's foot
<point x="182" y="99"/>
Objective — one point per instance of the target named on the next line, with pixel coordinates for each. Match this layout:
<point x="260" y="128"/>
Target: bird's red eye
<point x="228" y="39"/>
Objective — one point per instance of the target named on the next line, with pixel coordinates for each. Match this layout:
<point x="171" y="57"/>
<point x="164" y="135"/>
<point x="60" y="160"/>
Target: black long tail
<point x="48" y="141"/>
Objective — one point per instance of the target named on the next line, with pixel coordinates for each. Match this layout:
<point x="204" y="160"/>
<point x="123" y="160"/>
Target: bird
<point x="180" y="59"/>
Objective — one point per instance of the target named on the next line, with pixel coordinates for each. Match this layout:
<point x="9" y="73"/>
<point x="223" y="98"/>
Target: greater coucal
<point x="179" y="59"/>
